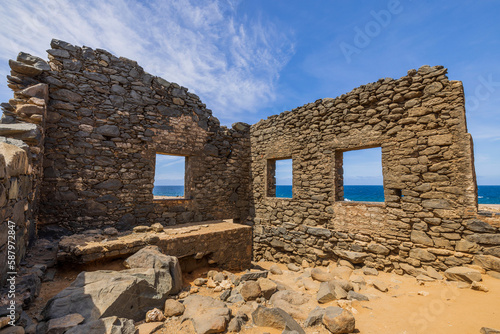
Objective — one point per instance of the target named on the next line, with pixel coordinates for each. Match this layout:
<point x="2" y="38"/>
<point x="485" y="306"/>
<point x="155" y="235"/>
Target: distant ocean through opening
<point x="486" y="194"/>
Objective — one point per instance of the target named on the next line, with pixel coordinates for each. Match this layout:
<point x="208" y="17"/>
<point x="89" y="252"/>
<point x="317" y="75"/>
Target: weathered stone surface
<point x="420" y="237"/>
<point x="486" y="239"/>
<point x="315" y="317"/>
<point x="480" y="226"/>
<point x="338" y="320"/>
<point x="66" y="95"/>
<point x="352" y="295"/>
<point x="487" y="330"/>
<point x="321" y="275"/>
<point x="353" y="257"/>
<point x="152" y="257"/>
<point x="329" y="291"/>
<point x="275" y="318"/>
<point x="208" y="315"/>
<point x="342" y="272"/>
<point x="109" y="325"/>
<point x="16" y="160"/>
<point x="422" y="254"/>
<point x="113" y="184"/>
<point x="100" y="294"/>
<point x="267" y="287"/>
<point x="487" y="262"/>
<point x="378" y="249"/>
<point x="150" y="327"/>
<point x="254" y="275"/>
<point x="463" y="274"/>
<point x="108" y="130"/>
<point x="25" y="69"/>
<point x="154" y="315"/>
<point x="380" y="285"/>
<point x="60" y="325"/>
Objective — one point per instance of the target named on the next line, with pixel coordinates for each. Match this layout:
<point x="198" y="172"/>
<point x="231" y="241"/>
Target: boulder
<point x="337" y="320"/>
<point x="321" y="275"/>
<point x="173" y="308"/>
<point x="275" y="270"/>
<point x="293" y="267"/>
<point x="207" y="314"/>
<point x="463" y="274"/>
<point x="275" y="318"/>
<point x="105" y="293"/>
<point x="254" y="275"/>
<point x="352" y="295"/>
<point x="343" y="272"/>
<point x="267" y="287"/>
<point x="353" y="257"/>
<point x="329" y="291"/>
<point x="250" y="290"/>
<point x="109" y="325"/>
<point x="60" y="325"/>
<point x="315" y="317"/>
<point x="291" y="302"/>
<point x="370" y="271"/>
<point x="152" y="257"/>
<point x="487" y="262"/>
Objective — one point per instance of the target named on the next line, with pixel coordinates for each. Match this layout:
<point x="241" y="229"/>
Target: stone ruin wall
<point x="21" y="157"/>
<point x="81" y="134"/>
<point x="429" y="217"/>
<point x="107" y="119"/>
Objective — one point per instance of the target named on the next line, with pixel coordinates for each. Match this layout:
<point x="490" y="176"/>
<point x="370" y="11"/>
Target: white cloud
<point x="231" y="61"/>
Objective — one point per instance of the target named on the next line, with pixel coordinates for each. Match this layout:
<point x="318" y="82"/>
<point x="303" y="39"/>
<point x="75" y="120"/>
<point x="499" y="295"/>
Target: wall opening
<point x="170" y="176"/>
<point x="280" y="178"/>
<point x="359" y="175"/>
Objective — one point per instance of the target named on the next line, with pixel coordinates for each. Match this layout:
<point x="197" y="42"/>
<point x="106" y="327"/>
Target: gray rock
<point x="487" y="330"/>
<point x="96" y="76"/>
<point x="293" y="267"/>
<point x="495" y="251"/>
<point x="207" y="314"/>
<point x="352" y="295"/>
<point x="337" y="320"/>
<point x="370" y="271"/>
<point x="422" y="254"/>
<point x="58" y="53"/>
<point x="291" y="302"/>
<point x="235" y="325"/>
<point x="275" y="318"/>
<point x="485" y="239"/>
<point x="463" y="274"/>
<point x="275" y="270"/>
<point x="420" y="237"/>
<point x="12" y="330"/>
<point x="104" y="293"/>
<point x="58" y="44"/>
<point x="315" y="317"/>
<point x="321" y="275"/>
<point x="267" y="287"/>
<point x="152" y="257"/>
<point x="480" y="227"/>
<point x="112" y="184"/>
<point x="37" y="62"/>
<point x="109" y="325"/>
<point x="24" y="69"/>
<point x="378" y="249"/>
<point x="60" y="325"/>
<point x="253" y="275"/>
<point x="353" y="257"/>
<point x="380" y="285"/>
<point x="66" y="95"/>
<point x="329" y="291"/>
<point x="487" y="262"/>
<point x="108" y="130"/>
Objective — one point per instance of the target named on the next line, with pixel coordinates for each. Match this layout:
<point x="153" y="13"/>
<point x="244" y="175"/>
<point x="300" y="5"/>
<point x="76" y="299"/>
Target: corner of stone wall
<point x="21" y="156"/>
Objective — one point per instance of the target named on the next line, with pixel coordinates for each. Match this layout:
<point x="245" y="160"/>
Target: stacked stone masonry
<point x="91" y="125"/>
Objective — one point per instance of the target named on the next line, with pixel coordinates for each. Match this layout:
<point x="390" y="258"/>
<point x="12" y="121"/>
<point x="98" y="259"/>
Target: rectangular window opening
<point x="170" y="177"/>
<point x="359" y="175"/>
<point x="280" y="178"/>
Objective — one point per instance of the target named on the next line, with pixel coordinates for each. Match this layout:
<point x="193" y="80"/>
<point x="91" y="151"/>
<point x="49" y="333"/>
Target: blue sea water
<point x="486" y="194"/>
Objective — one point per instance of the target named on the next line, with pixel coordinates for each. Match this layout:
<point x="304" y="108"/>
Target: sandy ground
<point x="408" y="307"/>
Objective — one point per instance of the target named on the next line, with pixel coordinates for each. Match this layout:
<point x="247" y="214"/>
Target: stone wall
<point x="107" y="120"/>
<point x="21" y="158"/>
<point x="429" y="217"/>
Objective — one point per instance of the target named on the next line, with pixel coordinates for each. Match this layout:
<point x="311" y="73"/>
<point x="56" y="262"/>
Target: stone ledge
<point x="226" y="244"/>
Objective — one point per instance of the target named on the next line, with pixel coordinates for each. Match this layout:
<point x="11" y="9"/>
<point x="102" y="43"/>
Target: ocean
<point x="486" y="194"/>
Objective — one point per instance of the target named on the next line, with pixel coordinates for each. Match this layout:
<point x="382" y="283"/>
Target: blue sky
<point x="251" y="59"/>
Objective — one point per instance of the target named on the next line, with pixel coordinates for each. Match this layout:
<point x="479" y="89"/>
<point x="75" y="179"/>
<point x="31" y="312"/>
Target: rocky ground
<point x="270" y="298"/>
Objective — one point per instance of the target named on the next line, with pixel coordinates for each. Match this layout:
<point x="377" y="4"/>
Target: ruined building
<point x="82" y="132"/>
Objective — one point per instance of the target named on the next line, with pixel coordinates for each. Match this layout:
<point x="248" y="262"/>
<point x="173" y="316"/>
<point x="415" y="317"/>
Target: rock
<point x="424" y="278"/>
<point x="207" y="314"/>
<point x="154" y="315"/>
<point x="104" y="293"/>
<point x="250" y="290"/>
<point x="200" y="281"/>
<point x="290" y="301"/>
<point x="329" y="291"/>
<point x="480" y="227"/>
<point x="479" y="287"/>
<point x="485" y="239"/>
<point x="235" y="324"/>
<point x="195" y="289"/>
<point x="378" y="249"/>
<point x="380" y="285"/>
<point x="108" y="130"/>
<point x="152" y="257"/>
<point x="343" y="272"/>
<point x="370" y="271"/>
<point x="337" y="320"/>
<point x="320" y="275"/>
<point x="24" y="69"/>
<point x="112" y="184"/>
<point x="110" y="231"/>
<point x="463" y="274"/>
<point x="12" y="330"/>
<point x="487" y="262"/>
<point x="410" y="270"/>
<point x="16" y="160"/>
<point x="310" y="284"/>
<point x="315" y="317"/>
<point x="225" y="284"/>
<point x="275" y="270"/>
<point x="494" y="274"/>
<point x="422" y="254"/>
<point x="219" y="277"/>
<point x="211" y="283"/>
<point x="353" y="257"/>
<point x="275" y="318"/>
<point x="173" y="308"/>
<point x="293" y="267"/>
<point x="486" y="330"/>
<point x="60" y="325"/>
<point x="109" y="325"/>
<point x="420" y="237"/>
<point x="148" y="328"/>
<point x="431" y="272"/>
<point x="254" y="275"/>
<point x="267" y="287"/>
<point x="66" y="95"/>
<point x="351" y="295"/>
<point x="157" y="227"/>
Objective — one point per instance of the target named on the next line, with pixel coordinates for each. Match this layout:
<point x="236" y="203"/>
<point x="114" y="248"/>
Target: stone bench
<point x="222" y="243"/>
